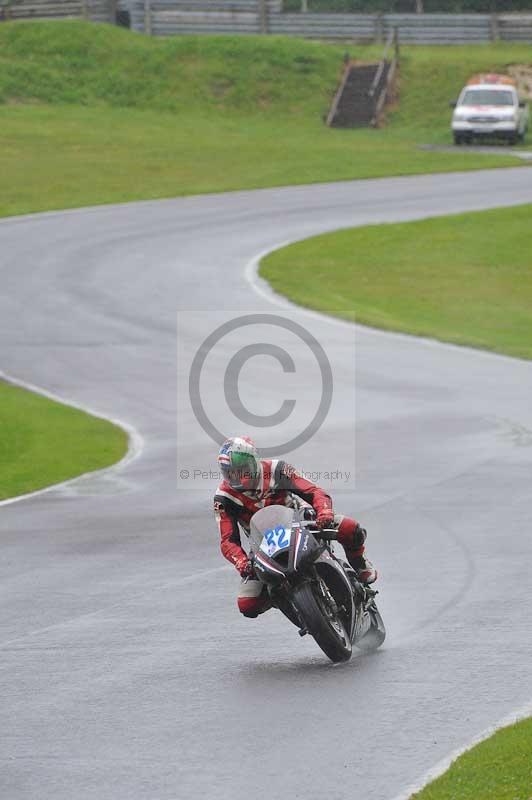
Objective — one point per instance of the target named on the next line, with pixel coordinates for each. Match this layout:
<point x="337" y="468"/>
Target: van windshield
<point x="487" y="97"/>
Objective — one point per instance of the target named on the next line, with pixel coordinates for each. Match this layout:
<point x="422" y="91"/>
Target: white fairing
<point x="268" y="519"/>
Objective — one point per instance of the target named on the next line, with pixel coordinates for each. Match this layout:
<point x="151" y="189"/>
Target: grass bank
<point x="465" y="279"/>
<point x="44" y="442"/>
<point x="498" y="769"/>
<point x="94" y="114"/>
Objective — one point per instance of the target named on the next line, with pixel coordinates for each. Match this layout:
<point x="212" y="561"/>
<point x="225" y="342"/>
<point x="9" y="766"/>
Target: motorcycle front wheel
<point x="325" y="626"/>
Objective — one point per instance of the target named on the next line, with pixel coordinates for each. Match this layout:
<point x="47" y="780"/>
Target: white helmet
<point x="240" y="464"/>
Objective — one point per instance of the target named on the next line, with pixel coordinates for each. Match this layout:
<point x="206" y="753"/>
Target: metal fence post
<point x="379" y="28"/>
<point x="147" y="17"/>
<point x="494" y="27"/>
<point x="85" y="9"/>
<point x="263" y="16"/>
<point x="113" y="9"/>
<point x="304" y="6"/>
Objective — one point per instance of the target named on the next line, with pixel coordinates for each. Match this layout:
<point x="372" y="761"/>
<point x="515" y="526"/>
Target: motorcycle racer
<point x="250" y="483"/>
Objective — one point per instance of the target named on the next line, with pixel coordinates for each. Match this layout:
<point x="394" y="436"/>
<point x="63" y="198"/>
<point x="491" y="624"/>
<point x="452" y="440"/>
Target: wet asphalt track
<point x="126" y="671"/>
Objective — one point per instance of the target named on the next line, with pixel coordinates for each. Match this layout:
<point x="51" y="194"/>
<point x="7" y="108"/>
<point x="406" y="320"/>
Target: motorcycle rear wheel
<point x="327" y="629"/>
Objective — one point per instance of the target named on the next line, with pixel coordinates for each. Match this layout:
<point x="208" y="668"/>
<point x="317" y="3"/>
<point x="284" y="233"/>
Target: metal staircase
<point x="356" y="100"/>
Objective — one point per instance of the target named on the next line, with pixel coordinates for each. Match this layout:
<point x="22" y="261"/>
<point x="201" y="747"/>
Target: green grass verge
<point x="44" y="442"/>
<point x="92" y="114"/>
<point x="499" y="768"/>
<point x="465" y="279"/>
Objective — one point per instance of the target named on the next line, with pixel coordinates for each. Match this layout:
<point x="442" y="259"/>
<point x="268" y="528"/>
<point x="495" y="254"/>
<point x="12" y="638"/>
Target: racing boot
<point x="352" y="536"/>
<point x="366" y="572"/>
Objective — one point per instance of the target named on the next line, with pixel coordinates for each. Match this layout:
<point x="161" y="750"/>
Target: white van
<point x="489" y="106"/>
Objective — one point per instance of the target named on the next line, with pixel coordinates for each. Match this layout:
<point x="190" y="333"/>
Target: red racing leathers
<point x="278" y="484"/>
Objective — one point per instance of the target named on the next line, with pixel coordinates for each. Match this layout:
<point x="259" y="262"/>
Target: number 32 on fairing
<point x="275" y="539"/>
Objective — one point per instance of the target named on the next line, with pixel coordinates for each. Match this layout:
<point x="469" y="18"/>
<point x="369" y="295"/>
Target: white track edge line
<point x="442" y="766"/>
<point x="135" y="439"/>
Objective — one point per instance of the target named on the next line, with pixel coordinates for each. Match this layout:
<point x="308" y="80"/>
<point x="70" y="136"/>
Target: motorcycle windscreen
<point x="267" y="519"/>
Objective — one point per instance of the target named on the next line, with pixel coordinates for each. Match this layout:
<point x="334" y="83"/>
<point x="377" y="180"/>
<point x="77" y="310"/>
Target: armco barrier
<point x="255" y="16"/>
<point x="211" y="16"/>
<point x="94" y="10"/>
<point x="515" y="27"/>
<point x="355" y="27"/>
<point x="440" y="28"/>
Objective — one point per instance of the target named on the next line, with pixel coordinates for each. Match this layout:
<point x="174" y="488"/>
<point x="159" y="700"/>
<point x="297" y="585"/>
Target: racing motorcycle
<point x="316" y="590"/>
